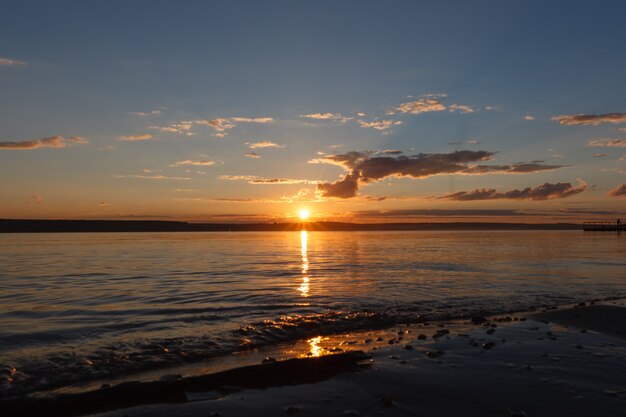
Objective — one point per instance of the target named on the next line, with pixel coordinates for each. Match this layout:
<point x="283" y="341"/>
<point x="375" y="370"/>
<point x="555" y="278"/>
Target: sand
<point x="568" y="362"/>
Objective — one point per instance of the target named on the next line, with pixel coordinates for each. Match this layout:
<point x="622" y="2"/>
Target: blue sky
<point x="497" y="72"/>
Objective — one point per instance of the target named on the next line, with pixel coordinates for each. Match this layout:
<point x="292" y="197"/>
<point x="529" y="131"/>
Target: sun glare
<point x="304" y="214"/>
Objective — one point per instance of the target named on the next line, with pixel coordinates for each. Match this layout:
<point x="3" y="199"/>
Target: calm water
<point x="81" y="306"/>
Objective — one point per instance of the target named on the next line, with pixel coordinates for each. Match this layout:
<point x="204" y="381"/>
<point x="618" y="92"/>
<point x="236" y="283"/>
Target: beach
<point x="555" y="362"/>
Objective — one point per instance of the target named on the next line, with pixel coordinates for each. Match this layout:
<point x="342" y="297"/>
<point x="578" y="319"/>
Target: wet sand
<point x="539" y="364"/>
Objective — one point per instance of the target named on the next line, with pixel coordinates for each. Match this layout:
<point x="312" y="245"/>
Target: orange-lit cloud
<point x="49" y="142"/>
<point x="590" y="119"/>
<point x="206" y="162"/>
<point x="461" y="108"/>
<point x="265" y="144"/>
<point x="608" y="143"/>
<point x="619" y="191"/>
<point x="253" y="155"/>
<point x="529" y="117"/>
<point x="152" y="177"/>
<point x="328" y="116"/>
<point x="182" y="128"/>
<point x="364" y="167"/>
<point x="222" y="124"/>
<point x="252" y="119"/>
<point x="423" y="105"/>
<point x="545" y="191"/>
<point x="131" y="138"/>
<point x="253" y="179"/>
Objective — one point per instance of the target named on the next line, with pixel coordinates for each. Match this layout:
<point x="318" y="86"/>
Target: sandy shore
<point x="568" y="362"/>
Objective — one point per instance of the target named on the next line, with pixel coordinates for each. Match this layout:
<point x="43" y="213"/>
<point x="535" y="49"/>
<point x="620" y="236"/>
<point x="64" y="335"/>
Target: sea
<point x="84" y="306"/>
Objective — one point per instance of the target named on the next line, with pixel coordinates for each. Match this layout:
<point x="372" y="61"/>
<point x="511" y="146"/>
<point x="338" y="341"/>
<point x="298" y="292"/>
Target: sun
<point x="304" y="214"/>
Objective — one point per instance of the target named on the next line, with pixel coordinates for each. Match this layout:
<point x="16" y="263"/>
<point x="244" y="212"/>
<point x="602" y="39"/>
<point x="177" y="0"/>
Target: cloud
<point x="155" y="112"/>
<point x="206" y="162"/>
<point x="590" y="119"/>
<point x="328" y="116"/>
<point x="619" y="191"/>
<point x="253" y="179"/>
<point x="265" y="144"/>
<point x="104" y="204"/>
<point x="608" y="143"/>
<point x="35" y="199"/>
<point x="253" y="155"/>
<point x="389" y="152"/>
<point x="436" y="213"/>
<point x="599" y="155"/>
<point x="379" y="124"/>
<point x="529" y="117"/>
<point x="474" y="142"/>
<point x="423" y="105"/>
<point x="545" y="191"/>
<point x="49" y="142"/>
<point x="8" y="62"/>
<point x="152" y="177"/>
<point x="364" y="167"/>
<point x="222" y="124"/>
<point x="132" y="138"/>
<point x="460" y="108"/>
<point x="252" y="119"/>
<point x="182" y="128"/>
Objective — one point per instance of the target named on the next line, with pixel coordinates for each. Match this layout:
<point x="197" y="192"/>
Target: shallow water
<point x="81" y="306"/>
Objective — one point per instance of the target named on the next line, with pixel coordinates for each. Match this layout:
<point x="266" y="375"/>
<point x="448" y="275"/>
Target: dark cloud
<point x="435" y="213"/>
<point x="619" y="191"/>
<point x="545" y="191"/>
<point x="366" y="167"/>
<point x="590" y="119"/>
<point x="49" y="142"/>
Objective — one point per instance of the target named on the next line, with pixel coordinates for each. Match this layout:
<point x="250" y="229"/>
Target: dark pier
<point x="604" y="227"/>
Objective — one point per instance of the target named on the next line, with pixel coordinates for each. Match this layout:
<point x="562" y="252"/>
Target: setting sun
<point x="304" y="214"/>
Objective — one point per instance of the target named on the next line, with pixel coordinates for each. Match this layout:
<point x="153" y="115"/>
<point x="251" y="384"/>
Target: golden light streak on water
<point x="304" y="287"/>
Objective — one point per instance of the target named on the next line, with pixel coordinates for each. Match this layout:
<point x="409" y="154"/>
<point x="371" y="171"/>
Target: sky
<point x="364" y="111"/>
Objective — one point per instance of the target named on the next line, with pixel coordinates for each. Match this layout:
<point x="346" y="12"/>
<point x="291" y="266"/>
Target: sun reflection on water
<point x="304" y="287"/>
<point x="316" y="349"/>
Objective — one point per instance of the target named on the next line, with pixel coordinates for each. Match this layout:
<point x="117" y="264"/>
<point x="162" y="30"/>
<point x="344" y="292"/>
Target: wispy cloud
<point x="252" y="119"/>
<point x="133" y="138"/>
<point x="253" y="155"/>
<point x="461" y="108"/>
<point x="379" y="124"/>
<point x="35" y="199"/>
<point x="590" y="119"/>
<point x="546" y="191"/>
<point x="49" y="142"/>
<point x="152" y="177"/>
<point x="423" y="105"/>
<point x="529" y="117"/>
<point x="608" y="143"/>
<point x="265" y="144"/>
<point x="328" y="116"/>
<point x="104" y="204"/>
<point x="155" y="112"/>
<point x="181" y="128"/>
<point x="365" y="167"/>
<point x="8" y="62"/>
<point x="206" y="162"/>
<point x="253" y="179"/>
<point x="619" y="191"/>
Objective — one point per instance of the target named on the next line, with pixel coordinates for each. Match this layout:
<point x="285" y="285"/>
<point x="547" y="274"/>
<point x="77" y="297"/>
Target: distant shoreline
<point x="101" y="226"/>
